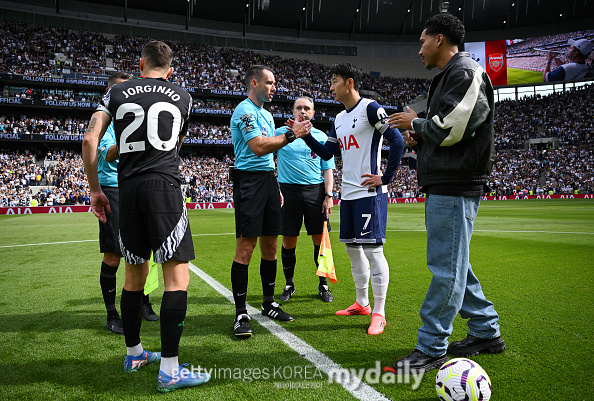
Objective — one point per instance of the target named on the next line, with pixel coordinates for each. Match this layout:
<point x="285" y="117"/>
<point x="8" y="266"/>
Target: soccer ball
<point x="462" y="379"/>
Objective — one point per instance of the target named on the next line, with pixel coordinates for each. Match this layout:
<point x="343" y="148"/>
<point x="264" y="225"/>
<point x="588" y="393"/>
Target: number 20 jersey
<point x="148" y="116"/>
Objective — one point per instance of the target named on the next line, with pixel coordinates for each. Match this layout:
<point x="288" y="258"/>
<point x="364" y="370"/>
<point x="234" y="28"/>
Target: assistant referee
<point x="306" y="182"/>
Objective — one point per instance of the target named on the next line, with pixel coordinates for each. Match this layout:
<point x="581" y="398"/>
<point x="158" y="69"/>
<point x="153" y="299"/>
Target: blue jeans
<point x="454" y="288"/>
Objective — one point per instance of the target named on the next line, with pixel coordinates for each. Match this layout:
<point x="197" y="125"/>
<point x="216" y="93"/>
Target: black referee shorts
<point x="302" y="203"/>
<point x="109" y="236"/>
<point x="257" y="204"/>
<point x="153" y="216"/>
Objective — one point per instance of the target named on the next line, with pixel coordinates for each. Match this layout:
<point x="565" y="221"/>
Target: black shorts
<point x="257" y="204"/>
<point x="303" y="202"/>
<point x="109" y="236"/>
<point x="153" y="216"/>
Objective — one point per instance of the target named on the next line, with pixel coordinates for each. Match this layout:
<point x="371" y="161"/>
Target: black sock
<point x="323" y="280"/>
<point x="173" y="312"/>
<point x="145" y="299"/>
<point x="107" y="280"/>
<point x="268" y="276"/>
<point x="131" y="316"/>
<point x="239" y="283"/>
<point x="289" y="260"/>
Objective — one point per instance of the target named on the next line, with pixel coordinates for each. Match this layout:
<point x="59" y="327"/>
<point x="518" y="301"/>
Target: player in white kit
<point x="358" y="132"/>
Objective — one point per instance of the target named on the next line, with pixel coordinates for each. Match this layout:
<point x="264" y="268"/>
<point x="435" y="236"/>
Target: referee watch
<point x="330" y="195"/>
<point x="290" y="135"/>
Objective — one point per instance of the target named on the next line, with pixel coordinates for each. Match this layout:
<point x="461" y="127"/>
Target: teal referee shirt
<point x="247" y="122"/>
<point x="108" y="172"/>
<point x="298" y="164"/>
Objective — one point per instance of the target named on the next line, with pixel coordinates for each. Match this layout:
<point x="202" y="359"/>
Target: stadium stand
<point x="543" y="143"/>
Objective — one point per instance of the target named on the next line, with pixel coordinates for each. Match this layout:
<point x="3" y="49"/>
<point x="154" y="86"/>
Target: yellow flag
<point x="152" y="279"/>
<point x="325" y="261"/>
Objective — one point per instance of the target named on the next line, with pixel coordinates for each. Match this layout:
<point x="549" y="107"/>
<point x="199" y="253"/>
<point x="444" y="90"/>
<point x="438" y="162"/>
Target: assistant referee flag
<point x="325" y="261"/>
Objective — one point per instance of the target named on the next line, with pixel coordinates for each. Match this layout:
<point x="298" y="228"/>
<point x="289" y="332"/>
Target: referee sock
<point x="173" y="312"/>
<point x="323" y="280"/>
<point x="107" y="280"/>
<point x="289" y="260"/>
<point x="268" y="276"/>
<point x="131" y="316"/>
<point x="239" y="284"/>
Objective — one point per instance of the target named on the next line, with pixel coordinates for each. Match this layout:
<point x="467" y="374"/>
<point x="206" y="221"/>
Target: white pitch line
<point x="534" y="231"/>
<point x="204" y="235"/>
<point x="47" y="243"/>
<point x="511" y="231"/>
<point x="363" y="392"/>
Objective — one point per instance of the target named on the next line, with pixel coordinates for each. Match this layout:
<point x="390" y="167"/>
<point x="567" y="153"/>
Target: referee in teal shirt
<point x="306" y="183"/>
<point x="256" y="195"/>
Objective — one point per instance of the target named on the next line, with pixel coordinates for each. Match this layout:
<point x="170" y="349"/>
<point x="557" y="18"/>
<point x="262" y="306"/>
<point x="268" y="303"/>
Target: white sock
<point x="134" y="351"/>
<point x="380" y="276"/>
<point x="170" y="365"/>
<point x="360" y="272"/>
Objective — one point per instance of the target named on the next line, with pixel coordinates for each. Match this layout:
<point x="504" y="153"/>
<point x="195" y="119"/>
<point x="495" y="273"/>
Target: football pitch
<point x="517" y="76"/>
<point x="534" y="259"/>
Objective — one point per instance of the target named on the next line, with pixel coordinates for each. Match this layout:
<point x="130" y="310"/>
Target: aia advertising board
<point x="492" y="57"/>
<point x="229" y="205"/>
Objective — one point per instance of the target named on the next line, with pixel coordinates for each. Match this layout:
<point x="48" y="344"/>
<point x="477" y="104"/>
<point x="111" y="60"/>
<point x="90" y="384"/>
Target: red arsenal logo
<point x="496" y="61"/>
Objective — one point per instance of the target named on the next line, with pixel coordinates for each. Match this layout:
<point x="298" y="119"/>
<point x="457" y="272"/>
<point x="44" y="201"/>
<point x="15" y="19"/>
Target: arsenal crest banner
<point x="492" y="57"/>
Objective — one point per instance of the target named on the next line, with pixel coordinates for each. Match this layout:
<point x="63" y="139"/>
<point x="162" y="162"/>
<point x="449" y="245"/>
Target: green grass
<point x="534" y="260"/>
<point x="516" y="76"/>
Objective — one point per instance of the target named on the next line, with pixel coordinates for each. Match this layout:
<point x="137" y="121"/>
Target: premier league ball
<point x="462" y="379"/>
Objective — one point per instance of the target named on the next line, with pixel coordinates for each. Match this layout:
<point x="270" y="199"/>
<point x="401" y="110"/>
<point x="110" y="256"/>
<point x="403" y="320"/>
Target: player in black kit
<point x="150" y="117"/>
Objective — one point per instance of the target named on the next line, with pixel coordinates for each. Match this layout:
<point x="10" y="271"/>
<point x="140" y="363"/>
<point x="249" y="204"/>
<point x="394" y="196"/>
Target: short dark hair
<point x="447" y="25"/>
<point x="157" y="54"/>
<point x="347" y="71"/>
<point x="117" y="76"/>
<point x="255" y="72"/>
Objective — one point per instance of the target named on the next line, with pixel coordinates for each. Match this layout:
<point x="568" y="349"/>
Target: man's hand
<point x="299" y="128"/>
<point x="402" y="120"/>
<point x="282" y="198"/>
<point x="100" y="204"/>
<point x="410" y="138"/>
<point x="327" y="206"/>
<point x="372" y="180"/>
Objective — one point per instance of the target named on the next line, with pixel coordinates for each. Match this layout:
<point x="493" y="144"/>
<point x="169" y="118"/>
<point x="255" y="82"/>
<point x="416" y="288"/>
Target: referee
<point x="256" y="194"/>
<point x="306" y="182"/>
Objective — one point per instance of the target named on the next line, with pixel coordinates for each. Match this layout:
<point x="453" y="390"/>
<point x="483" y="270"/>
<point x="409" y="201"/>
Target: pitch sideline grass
<point x="517" y="76"/>
<point x="54" y="344"/>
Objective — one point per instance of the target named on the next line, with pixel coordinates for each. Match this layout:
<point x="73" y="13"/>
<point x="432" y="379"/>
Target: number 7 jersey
<point x="148" y="115"/>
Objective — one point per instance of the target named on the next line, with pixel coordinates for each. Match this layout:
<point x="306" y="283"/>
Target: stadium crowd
<point x="31" y="49"/>
<point x="58" y="178"/>
<point x="531" y="53"/>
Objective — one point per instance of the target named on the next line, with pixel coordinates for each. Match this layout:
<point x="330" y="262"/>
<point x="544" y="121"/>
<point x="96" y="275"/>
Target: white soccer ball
<point x="462" y="379"/>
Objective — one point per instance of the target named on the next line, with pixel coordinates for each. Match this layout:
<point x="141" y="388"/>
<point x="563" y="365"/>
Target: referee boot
<point x="148" y="313"/>
<point x="273" y="311"/>
<point x="325" y="293"/>
<point x="287" y="292"/>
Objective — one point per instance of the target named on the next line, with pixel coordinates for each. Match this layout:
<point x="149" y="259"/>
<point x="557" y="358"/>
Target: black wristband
<point x="290" y="135"/>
